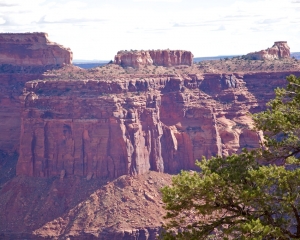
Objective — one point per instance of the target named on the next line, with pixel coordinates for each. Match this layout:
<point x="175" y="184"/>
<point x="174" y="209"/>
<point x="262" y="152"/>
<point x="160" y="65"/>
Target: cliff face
<point x="11" y="88"/>
<point x="166" y="58"/>
<point x="31" y="49"/>
<point x="105" y="129"/>
<point x="277" y="51"/>
<point x="23" y="57"/>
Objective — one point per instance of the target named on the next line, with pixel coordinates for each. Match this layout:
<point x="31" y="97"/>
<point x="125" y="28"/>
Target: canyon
<point x="85" y="152"/>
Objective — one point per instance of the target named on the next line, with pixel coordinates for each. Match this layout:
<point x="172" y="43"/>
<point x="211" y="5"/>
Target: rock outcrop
<point x="128" y="208"/>
<point x="31" y="50"/>
<point x="108" y="128"/>
<point x="279" y="50"/>
<point x="11" y="87"/>
<point x="23" y="57"/>
<point x="166" y="58"/>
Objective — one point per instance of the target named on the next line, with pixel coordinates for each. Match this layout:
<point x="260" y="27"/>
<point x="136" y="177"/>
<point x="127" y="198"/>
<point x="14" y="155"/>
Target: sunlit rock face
<point x="108" y="128"/>
<point x="166" y="58"/>
<point x="32" y="49"/>
<point x="279" y="50"/>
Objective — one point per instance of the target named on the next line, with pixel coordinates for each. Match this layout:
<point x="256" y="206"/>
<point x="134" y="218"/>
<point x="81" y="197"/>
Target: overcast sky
<point x="97" y="29"/>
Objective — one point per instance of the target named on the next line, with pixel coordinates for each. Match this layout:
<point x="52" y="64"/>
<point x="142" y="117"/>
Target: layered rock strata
<point x="166" y="58"/>
<point x="31" y="50"/>
<point x="23" y="57"/>
<point x="105" y="129"/>
<point x="11" y="87"/>
<point x="279" y="50"/>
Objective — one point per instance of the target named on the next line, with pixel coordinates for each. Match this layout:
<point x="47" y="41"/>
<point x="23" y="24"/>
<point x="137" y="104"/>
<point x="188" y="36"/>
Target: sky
<point x="98" y="29"/>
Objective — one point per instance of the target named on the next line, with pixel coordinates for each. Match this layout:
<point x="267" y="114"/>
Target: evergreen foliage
<point x="252" y="195"/>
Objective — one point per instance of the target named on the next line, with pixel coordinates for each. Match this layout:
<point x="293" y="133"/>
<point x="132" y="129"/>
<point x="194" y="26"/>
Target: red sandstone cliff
<point x="23" y="57"/>
<point x="279" y="50"/>
<point x="105" y="129"/>
<point x="32" y="49"/>
<point x="11" y="87"/>
<point x="166" y="58"/>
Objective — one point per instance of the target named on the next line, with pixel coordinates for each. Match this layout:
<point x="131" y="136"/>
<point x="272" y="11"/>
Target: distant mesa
<point x="166" y="58"/>
<point x="279" y="50"/>
<point x="32" y="49"/>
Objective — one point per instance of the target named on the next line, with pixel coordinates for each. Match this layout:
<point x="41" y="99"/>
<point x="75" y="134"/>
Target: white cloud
<point x="157" y="0"/>
<point x="2" y="20"/>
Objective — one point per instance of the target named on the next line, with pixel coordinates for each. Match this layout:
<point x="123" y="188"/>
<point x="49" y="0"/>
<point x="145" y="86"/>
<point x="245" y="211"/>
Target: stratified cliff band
<point x="23" y="57"/>
<point x="32" y="50"/>
<point x="166" y="58"/>
<point x="279" y="50"/>
<point x="109" y="128"/>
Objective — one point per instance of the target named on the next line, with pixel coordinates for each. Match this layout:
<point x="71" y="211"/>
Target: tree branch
<point x="297" y="219"/>
<point x="295" y="84"/>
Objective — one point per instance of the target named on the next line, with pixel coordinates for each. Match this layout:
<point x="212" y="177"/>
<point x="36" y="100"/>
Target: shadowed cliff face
<point x="11" y="88"/>
<point x="105" y="129"/>
<point x="23" y="57"/>
<point x="128" y="208"/>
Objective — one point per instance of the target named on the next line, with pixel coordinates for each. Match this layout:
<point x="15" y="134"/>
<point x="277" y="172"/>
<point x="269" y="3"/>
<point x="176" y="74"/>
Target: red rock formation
<point x="128" y="208"/>
<point x="32" y="49"/>
<point x="11" y="87"/>
<point x="23" y="57"/>
<point x="135" y="59"/>
<point x="166" y="58"/>
<point x="105" y="129"/>
<point x="279" y="50"/>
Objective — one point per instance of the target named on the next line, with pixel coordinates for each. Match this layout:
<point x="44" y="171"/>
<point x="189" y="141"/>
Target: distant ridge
<point x="82" y="61"/>
<point x="296" y="55"/>
<point x="200" y="59"/>
<point x="87" y="64"/>
<point x="96" y="63"/>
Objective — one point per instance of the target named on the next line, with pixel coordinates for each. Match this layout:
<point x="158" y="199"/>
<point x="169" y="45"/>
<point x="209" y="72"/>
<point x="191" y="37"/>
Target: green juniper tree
<point x="253" y="195"/>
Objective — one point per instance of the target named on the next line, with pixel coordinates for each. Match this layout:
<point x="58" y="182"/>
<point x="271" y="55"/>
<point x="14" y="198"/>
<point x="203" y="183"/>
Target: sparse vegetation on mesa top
<point x="236" y="64"/>
<point x="239" y="64"/>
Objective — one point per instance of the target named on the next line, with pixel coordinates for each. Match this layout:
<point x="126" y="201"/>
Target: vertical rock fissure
<point x="83" y="156"/>
<point x="33" y="143"/>
<point x="46" y="151"/>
